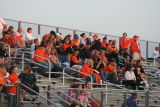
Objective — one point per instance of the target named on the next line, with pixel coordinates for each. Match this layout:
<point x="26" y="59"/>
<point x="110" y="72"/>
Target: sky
<point x="113" y="17"/>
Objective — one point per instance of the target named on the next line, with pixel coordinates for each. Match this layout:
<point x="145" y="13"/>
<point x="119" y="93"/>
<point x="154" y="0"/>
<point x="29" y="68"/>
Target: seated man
<point x="29" y="79"/>
<point x="29" y="37"/>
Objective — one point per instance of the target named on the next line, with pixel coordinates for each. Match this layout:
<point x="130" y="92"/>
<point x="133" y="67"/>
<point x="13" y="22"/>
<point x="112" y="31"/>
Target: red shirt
<point x="12" y="78"/>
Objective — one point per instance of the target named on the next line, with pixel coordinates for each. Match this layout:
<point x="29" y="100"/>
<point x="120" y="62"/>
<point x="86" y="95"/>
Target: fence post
<point x="57" y="30"/>
<point x="74" y="32"/>
<point x="39" y="29"/>
<point x="147" y="99"/>
<point x="19" y="24"/>
<point x="48" y="95"/>
<point x="0" y="99"/>
<point x="22" y="60"/>
<point x="147" y="49"/>
<point x="18" y="96"/>
<point x="125" y="97"/>
<point x="90" y="34"/>
<point x="102" y="99"/>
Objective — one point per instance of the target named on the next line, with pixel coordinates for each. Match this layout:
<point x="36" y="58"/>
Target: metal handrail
<point x="9" y="49"/>
<point x="69" y="29"/>
<point x="39" y="94"/>
<point x="50" y="64"/>
<point x="67" y="96"/>
<point x="75" y="71"/>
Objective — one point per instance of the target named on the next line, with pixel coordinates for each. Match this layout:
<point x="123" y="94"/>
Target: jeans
<point x="103" y="75"/>
<point x="12" y="100"/>
<point x="45" y="70"/>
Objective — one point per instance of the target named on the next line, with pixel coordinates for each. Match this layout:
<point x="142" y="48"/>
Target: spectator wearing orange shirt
<point x="88" y="69"/>
<point x="113" y="51"/>
<point x="66" y="44"/>
<point x="75" y="41"/>
<point x="104" y="43"/>
<point x="12" y="91"/>
<point x="2" y="74"/>
<point x="122" y="41"/>
<point x="111" y="71"/>
<point x="74" y="59"/>
<point x="41" y="51"/>
<point x="135" y="49"/>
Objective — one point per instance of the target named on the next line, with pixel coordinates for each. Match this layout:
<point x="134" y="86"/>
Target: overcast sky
<point x="140" y="17"/>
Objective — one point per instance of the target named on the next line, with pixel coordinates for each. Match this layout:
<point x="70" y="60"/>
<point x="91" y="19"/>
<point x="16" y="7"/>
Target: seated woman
<point x="74" y="58"/>
<point x="141" y="77"/>
<point x="130" y="78"/>
<point x="88" y="69"/>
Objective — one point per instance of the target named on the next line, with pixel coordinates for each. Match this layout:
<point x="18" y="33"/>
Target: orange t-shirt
<point x="2" y="80"/>
<point x="103" y="44"/>
<point x="109" y="69"/>
<point x="12" y="78"/>
<point x="19" y="39"/>
<point x="74" y="59"/>
<point x="111" y="49"/>
<point x="86" y="69"/>
<point x="75" y="42"/>
<point x="39" y="53"/>
<point x="65" y="46"/>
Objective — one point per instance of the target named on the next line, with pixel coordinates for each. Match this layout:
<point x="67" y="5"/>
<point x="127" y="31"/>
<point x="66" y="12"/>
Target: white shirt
<point x="28" y="36"/>
<point x="2" y="22"/>
<point x="32" y="50"/>
<point x="155" y="54"/>
<point x="129" y="75"/>
<point x="83" y="41"/>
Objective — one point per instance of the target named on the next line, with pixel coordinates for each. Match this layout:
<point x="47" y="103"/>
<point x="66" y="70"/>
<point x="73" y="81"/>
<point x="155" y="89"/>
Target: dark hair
<point x="134" y="94"/>
<point x="11" y="69"/>
<point x="28" y="68"/>
<point x="113" y="60"/>
<point x="35" y="40"/>
<point x="104" y="38"/>
<point x="5" y="33"/>
<point x="74" y="105"/>
<point x="29" y="29"/>
<point x="82" y="34"/>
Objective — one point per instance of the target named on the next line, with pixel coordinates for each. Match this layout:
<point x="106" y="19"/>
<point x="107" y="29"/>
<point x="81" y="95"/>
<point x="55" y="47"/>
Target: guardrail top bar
<point x="69" y="29"/>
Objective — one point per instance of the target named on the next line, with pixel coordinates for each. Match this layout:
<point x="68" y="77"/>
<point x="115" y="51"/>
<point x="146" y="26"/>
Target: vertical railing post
<point x="19" y="24"/>
<point x="0" y="99"/>
<point x="125" y="97"/>
<point x="63" y="76"/>
<point x="57" y="30"/>
<point x="18" y="96"/>
<point x="90" y="34"/>
<point x="147" y="99"/>
<point x="147" y="43"/>
<point x="49" y="70"/>
<point x="102" y="99"/>
<point x="22" y="60"/>
<point x="48" y="95"/>
<point x="39" y="29"/>
<point x="74" y="32"/>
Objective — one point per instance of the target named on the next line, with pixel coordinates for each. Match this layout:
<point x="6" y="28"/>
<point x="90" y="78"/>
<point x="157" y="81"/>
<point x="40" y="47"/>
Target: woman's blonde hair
<point x="89" y="62"/>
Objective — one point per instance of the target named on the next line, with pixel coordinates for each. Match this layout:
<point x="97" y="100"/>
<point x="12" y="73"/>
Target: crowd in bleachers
<point x="103" y="59"/>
